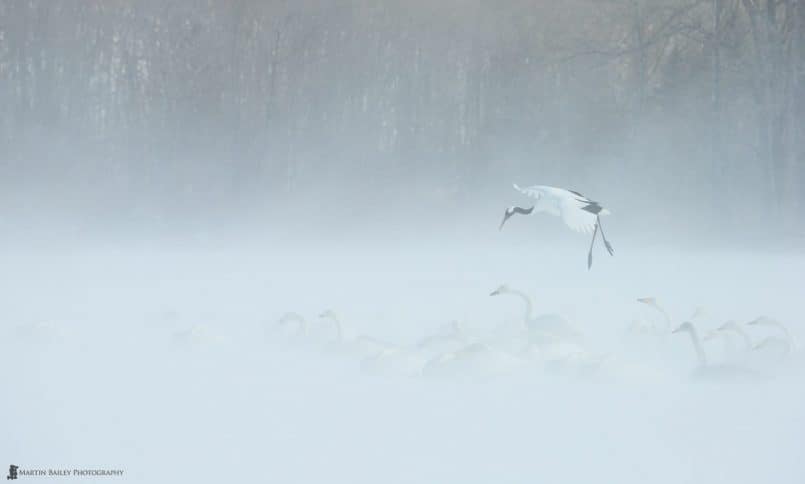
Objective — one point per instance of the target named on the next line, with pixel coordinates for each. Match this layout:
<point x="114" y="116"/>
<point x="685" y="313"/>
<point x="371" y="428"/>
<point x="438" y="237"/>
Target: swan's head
<point x="761" y="344"/>
<point x="647" y="300"/>
<point x="329" y="314"/>
<point x="686" y="326"/>
<point x="772" y="343"/>
<point x="193" y="335"/>
<point x="472" y="349"/>
<point x="504" y="289"/>
<point x="762" y="321"/>
<point x="456" y="327"/>
<point x="728" y="326"/>
<point x="291" y="317"/>
<point x="713" y="335"/>
<point x="453" y="329"/>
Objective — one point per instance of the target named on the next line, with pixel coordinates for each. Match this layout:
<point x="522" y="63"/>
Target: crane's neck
<point x="528" y="307"/>
<point x="697" y="345"/>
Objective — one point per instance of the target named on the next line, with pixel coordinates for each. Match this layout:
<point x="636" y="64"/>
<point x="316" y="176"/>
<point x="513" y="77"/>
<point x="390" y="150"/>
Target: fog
<point x="170" y="364"/>
<point x="259" y="241"/>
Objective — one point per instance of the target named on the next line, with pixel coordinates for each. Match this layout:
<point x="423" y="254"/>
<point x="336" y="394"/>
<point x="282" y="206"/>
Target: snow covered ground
<point x="168" y="362"/>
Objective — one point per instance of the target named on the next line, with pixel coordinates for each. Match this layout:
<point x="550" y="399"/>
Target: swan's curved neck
<point x="529" y="306"/>
<point x="339" y="336"/>
<point x="729" y="347"/>
<point x="747" y="340"/>
<point x="667" y="318"/>
<point x="301" y="323"/>
<point x="697" y="345"/>
<point x="785" y="332"/>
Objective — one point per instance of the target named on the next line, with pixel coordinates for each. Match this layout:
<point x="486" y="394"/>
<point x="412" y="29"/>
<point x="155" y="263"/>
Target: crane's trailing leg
<point x="592" y="243"/>
<point x="604" y="237"/>
<point x="578" y="212"/>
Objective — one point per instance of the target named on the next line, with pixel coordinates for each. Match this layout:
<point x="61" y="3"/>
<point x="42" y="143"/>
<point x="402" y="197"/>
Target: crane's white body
<point x="568" y="205"/>
<point x="577" y="211"/>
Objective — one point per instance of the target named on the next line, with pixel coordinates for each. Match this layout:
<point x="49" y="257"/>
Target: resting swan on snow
<point x="706" y="370"/>
<point x="552" y="326"/>
<point x="375" y="356"/>
<point x="764" y="321"/>
<point x="473" y="361"/>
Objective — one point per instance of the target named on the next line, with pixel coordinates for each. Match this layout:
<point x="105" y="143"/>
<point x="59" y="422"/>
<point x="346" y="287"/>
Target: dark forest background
<point x="157" y="113"/>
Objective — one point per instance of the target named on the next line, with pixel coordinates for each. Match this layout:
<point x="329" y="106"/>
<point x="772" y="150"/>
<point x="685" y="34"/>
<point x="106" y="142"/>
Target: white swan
<point x="652" y="303"/>
<point x="390" y="359"/>
<point x="780" y="346"/>
<point x="193" y="337"/>
<point x="734" y="328"/>
<point x="450" y="333"/>
<point x="331" y="316"/>
<point x="360" y="346"/>
<point x="730" y="350"/>
<point x="447" y="338"/>
<point x="375" y="356"/>
<point x="292" y="318"/>
<point x="706" y="370"/>
<point x="547" y="327"/>
<point x="698" y="312"/>
<point x="36" y="333"/>
<point x="474" y="361"/>
<point x="765" y="321"/>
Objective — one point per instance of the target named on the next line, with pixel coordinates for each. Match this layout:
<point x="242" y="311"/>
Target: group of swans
<point x="529" y="343"/>
<point x="742" y="360"/>
<point x="546" y="341"/>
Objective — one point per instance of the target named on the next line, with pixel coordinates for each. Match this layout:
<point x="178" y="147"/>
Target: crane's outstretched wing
<point x="579" y="214"/>
<point x="577" y="211"/>
<point x="536" y="191"/>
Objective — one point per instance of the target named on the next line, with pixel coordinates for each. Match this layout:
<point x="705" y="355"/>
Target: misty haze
<point x="442" y="241"/>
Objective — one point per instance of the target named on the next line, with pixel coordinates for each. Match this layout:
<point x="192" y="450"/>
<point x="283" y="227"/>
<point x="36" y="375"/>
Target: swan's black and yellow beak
<point x="494" y="293"/>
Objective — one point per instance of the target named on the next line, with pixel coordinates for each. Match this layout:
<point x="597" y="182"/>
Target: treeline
<point x="159" y="107"/>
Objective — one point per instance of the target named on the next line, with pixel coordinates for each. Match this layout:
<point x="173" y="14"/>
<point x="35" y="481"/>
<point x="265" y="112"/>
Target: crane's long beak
<point x="506" y="216"/>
